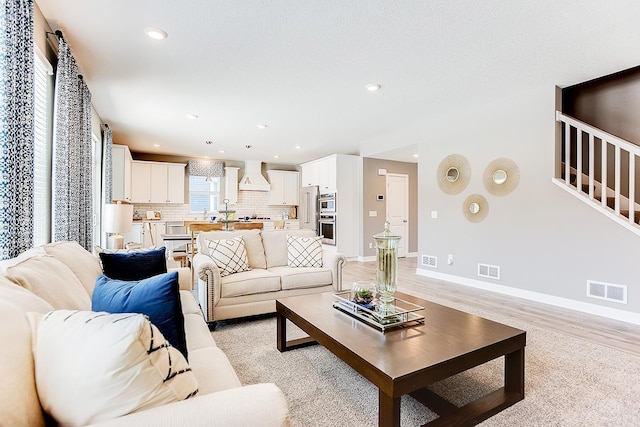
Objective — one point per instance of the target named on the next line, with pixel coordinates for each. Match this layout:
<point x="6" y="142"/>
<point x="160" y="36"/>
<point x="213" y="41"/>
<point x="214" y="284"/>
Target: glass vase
<point x="386" y="268"/>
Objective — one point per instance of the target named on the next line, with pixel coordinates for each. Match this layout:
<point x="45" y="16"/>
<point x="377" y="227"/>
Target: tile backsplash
<point x="249" y="203"/>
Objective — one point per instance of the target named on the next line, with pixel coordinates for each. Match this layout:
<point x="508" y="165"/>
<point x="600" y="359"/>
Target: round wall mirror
<point x="499" y="177"/>
<point x="474" y="208"/>
<point x="453" y="174"/>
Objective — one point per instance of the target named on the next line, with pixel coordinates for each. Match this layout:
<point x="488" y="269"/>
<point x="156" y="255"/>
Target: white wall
<point x="543" y="239"/>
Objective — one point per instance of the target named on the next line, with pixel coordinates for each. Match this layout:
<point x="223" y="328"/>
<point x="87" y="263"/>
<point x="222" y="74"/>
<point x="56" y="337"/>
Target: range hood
<point x="252" y="179"/>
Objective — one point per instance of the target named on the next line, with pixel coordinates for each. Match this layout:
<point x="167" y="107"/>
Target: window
<point x="203" y="195"/>
<point x="43" y="117"/>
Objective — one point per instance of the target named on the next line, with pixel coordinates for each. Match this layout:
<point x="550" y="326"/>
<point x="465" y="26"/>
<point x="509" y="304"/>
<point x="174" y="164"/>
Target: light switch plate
<point x="373" y="213"/>
<point x="382" y="172"/>
<point x="434" y="214"/>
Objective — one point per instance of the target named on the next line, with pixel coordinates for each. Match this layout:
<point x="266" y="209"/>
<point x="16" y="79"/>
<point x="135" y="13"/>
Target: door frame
<point x="406" y="208"/>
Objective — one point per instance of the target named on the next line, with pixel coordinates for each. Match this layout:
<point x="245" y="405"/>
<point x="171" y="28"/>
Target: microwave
<point x="328" y="202"/>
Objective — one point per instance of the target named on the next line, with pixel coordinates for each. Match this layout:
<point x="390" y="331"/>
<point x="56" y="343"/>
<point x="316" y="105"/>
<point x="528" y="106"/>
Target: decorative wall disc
<point x="501" y="176"/>
<point x="475" y="208"/>
<point x="454" y="174"/>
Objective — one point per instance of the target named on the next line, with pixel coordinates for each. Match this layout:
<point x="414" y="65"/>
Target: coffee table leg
<point x="282" y="332"/>
<point x="514" y="373"/>
<point x="388" y="410"/>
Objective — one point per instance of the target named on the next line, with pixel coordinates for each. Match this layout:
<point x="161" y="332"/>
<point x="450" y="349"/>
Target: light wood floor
<point x="620" y="335"/>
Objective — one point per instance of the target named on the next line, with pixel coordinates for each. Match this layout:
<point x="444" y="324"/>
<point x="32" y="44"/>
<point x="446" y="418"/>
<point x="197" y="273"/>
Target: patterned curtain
<point x="72" y="181"/>
<point x="107" y="143"/>
<point x="16" y="130"/>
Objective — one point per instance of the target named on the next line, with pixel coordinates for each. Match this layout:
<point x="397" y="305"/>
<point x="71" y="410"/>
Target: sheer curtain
<point x="16" y="130"/>
<point x="72" y="154"/>
<point x="107" y="143"/>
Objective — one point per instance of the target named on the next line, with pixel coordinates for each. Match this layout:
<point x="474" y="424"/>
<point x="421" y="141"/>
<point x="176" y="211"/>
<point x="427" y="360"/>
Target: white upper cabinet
<point x="321" y="172"/>
<point x="121" y="173"/>
<point x="285" y="187"/>
<point x="154" y="182"/>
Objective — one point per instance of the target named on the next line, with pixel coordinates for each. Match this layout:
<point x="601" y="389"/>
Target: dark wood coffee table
<point x="406" y="360"/>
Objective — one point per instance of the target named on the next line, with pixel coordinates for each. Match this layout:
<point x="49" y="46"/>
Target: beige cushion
<point x="275" y="245"/>
<point x="19" y="405"/>
<point x="213" y="370"/>
<point x="197" y="333"/>
<point x="33" y="252"/>
<point x="302" y="277"/>
<point x="252" y="242"/>
<point x="92" y="367"/>
<point x="249" y="282"/>
<point x="188" y="303"/>
<point x="83" y="263"/>
<point x="52" y="281"/>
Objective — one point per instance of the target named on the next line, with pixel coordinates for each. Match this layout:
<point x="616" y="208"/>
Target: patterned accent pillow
<point x="94" y="366"/>
<point x="230" y="255"/>
<point x="304" y="251"/>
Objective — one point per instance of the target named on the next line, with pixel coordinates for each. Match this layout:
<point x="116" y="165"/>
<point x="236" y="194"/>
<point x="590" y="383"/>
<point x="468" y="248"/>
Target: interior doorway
<point x="398" y="209"/>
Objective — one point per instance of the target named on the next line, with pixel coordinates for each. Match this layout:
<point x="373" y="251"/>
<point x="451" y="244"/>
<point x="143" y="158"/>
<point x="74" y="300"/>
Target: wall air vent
<point x="607" y="291"/>
<point x="430" y="261"/>
<point x="489" y="271"/>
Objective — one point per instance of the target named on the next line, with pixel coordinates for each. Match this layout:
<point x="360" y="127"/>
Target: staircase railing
<point x="607" y="163"/>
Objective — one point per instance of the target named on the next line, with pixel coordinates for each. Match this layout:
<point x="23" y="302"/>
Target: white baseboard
<point x="610" y="313"/>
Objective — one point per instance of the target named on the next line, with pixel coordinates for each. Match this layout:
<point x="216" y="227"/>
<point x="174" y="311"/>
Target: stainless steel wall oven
<point x="327" y="228"/>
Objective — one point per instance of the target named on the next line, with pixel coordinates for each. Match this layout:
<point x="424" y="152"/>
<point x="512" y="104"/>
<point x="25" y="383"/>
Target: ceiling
<point x="301" y="66"/>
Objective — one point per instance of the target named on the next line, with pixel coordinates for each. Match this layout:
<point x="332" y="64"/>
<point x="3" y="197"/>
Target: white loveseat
<point x="221" y="399"/>
<point x="253" y="292"/>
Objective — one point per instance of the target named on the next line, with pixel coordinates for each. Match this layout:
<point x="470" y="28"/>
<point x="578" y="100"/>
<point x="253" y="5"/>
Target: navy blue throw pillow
<point x="157" y="297"/>
<point x="134" y="265"/>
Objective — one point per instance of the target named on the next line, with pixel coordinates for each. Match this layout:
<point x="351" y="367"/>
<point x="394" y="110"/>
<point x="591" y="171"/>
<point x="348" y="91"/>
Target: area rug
<point x="569" y="382"/>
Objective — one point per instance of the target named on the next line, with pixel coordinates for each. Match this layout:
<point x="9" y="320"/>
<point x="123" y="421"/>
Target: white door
<point x="398" y="209"/>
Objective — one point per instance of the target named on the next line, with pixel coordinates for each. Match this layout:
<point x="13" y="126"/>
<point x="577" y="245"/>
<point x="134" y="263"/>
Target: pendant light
<point x="209" y="179"/>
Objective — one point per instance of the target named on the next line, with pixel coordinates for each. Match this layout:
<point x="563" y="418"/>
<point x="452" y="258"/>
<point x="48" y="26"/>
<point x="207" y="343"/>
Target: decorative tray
<point x="403" y="312"/>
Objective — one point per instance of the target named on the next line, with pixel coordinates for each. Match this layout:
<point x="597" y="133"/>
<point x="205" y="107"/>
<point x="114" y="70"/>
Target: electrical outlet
<point x="450" y="259"/>
<point x="370" y="245"/>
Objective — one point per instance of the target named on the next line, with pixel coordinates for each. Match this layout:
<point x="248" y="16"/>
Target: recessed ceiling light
<point x="276" y="156"/>
<point x="373" y="87"/>
<point x="263" y="126"/>
<point x="156" y="33"/>
<point x="191" y="116"/>
<point x="156" y="145"/>
<point x="298" y="147"/>
<point x="416" y="155"/>
<point x="221" y="151"/>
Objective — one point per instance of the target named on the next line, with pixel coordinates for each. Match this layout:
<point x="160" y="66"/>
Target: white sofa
<point x="255" y="291"/>
<point x="221" y="399"/>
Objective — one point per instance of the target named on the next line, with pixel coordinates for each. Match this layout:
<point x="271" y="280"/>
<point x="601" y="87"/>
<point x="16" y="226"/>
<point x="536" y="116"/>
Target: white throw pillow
<point x="230" y="255"/>
<point x="95" y="366"/>
<point x="304" y="251"/>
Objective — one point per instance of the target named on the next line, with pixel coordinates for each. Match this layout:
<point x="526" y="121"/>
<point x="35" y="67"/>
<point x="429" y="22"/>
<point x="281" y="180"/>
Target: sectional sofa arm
<point x="207" y="274"/>
<point x="184" y="278"/>
<point x="335" y="261"/>
<point x="224" y="408"/>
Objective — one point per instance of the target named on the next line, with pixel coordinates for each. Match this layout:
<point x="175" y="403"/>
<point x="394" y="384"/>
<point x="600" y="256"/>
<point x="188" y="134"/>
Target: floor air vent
<point x="430" y="261"/>
<point x="607" y="291"/>
<point x="490" y="271"/>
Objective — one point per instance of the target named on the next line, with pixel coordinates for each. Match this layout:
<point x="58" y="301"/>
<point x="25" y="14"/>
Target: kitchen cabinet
<point x="321" y="172"/>
<point x="231" y="184"/>
<point x="155" y="182"/>
<point x="342" y="174"/>
<point x="288" y="225"/>
<point x="147" y="233"/>
<point x="121" y="173"/>
<point x="285" y="187"/>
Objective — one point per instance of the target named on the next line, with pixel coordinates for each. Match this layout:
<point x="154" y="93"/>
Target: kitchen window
<point x="203" y="195"/>
<point x="43" y="118"/>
